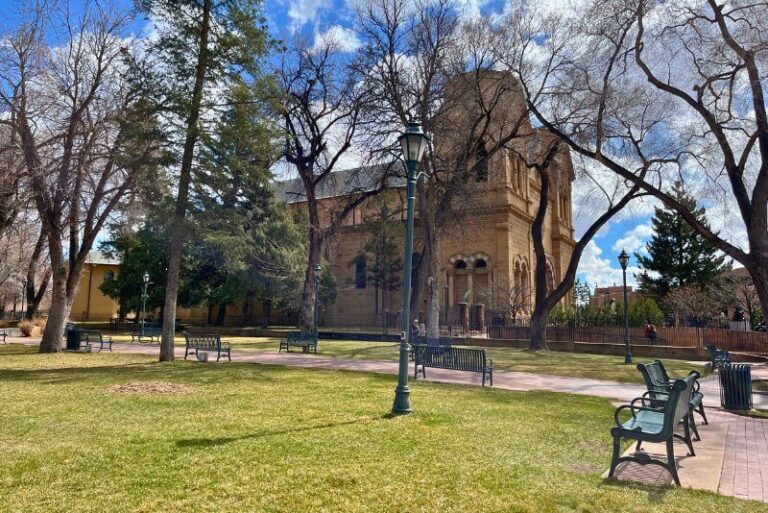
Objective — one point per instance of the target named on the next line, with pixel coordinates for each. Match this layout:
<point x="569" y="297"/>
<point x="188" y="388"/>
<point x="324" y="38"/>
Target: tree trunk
<point x="266" y="306"/>
<point x="540" y="315"/>
<point x="33" y="305"/>
<point x="759" y="274"/>
<point x="58" y="315"/>
<point x="178" y="232"/>
<point x="307" y="309"/>
<point x="221" y="315"/>
<point x="432" y="292"/>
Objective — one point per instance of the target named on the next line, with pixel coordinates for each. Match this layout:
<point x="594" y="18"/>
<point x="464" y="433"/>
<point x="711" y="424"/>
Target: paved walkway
<point x="741" y="462"/>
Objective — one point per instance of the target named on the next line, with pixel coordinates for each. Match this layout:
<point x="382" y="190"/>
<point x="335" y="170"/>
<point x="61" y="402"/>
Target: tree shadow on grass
<point x="202" y="443"/>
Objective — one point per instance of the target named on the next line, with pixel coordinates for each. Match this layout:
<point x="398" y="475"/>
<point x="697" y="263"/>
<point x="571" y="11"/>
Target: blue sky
<point x="313" y="18"/>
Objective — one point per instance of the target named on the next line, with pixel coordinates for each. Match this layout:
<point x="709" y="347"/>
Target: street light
<point x="623" y="261"/>
<point x="318" y="269"/>
<point x="144" y="303"/>
<point x="413" y="142"/>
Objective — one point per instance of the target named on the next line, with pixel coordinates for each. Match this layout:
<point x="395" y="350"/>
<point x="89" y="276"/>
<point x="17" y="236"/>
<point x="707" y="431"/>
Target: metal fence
<point x="753" y="342"/>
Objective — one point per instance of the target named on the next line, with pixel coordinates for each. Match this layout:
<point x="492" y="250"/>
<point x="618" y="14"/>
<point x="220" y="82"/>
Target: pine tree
<point x="678" y="255"/>
<point x="384" y="253"/>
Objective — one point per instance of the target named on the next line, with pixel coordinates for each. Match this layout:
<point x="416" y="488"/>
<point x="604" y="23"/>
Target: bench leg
<point x="688" y="441"/>
<point x="700" y="411"/>
<point x="616" y="455"/>
<point x="638" y="445"/>
<point x="671" y="464"/>
<point x="186" y="352"/>
<point x="692" y="423"/>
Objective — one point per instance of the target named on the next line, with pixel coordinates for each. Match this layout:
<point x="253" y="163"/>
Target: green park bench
<point x="719" y="357"/>
<point x="3" y="334"/>
<point x="654" y="420"/>
<point x="151" y="333"/>
<point x="306" y="341"/>
<point x="658" y="383"/>
<point x="206" y="342"/>
<point x="452" y="358"/>
<point x="93" y="337"/>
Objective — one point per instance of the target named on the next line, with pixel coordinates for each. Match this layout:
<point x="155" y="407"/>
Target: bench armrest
<point x="632" y="410"/>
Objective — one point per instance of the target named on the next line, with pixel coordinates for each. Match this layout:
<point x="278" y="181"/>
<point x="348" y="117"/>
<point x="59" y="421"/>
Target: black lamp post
<point x="623" y="261"/>
<point x="318" y="269"/>
<point x="144" y="303"/>
<point x="413" y="143"/>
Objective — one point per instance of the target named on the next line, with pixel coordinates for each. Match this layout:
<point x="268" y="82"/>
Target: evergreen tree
<point x="201" y="46"/>
<point x="678" y="255"/>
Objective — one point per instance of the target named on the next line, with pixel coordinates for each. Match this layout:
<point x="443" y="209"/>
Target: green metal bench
<point x="452" y="358"/>
<point x="92" y="337"/>
<point x="719" y="356"/>
<point x="306" y="341"/>
<point x="151" y="333"/>
<point x="655" y="422"/>
<point x="206" y="342"/>
<point x="658" y="383"/>
<point x="3" y="334"/>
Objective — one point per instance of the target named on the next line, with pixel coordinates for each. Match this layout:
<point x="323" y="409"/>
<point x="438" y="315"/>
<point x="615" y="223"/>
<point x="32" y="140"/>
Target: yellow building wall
<point x="90" y="303"/>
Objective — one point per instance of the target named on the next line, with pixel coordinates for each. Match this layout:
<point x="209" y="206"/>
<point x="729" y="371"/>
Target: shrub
<point x="26" y="328"/>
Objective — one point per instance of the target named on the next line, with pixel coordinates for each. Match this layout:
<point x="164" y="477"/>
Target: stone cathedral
<point x="486" y="252"/>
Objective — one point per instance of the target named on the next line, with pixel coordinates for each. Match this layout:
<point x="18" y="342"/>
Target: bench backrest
<point x="655" y="376"/>
<point x="90" y="335"/>
<point x="208" y="341"/>
<point x="434" y="342"/>
<point x="453" y="358"/>
<point x="678" y="403"/>
<point x="297" y="336"/>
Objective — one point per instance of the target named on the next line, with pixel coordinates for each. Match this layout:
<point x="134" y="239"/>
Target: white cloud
<point x="598" y="271"/>
<point x="301" y="12"/>
<point x="338" y="37"/>
<point x="635" y="239"/>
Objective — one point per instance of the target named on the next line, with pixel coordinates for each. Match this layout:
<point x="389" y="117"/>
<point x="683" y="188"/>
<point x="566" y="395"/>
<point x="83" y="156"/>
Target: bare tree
<point x="320" y="107"/>
<point x="68" y="105"/>
<point x="683" y="84"/>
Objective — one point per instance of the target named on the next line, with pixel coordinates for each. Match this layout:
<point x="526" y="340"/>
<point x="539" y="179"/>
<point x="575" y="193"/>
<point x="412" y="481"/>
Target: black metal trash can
<point x="73" y="338"/>
<point x="736" y="387"/>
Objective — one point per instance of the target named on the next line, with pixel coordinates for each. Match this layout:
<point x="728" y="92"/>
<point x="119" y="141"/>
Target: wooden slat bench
<point x="150" y="333"/>
<point x="452" y="358"/>
<point x="658" y="383"/>
<point x="306" y="341"/>
<point x="93" y="337"/>
<point x="652" y="421"/>
<point x="206" y="342"/>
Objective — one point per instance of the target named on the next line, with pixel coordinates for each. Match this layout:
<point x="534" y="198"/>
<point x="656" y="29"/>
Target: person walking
<point x="650" y="332"/>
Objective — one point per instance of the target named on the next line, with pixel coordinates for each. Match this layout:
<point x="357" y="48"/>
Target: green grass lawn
<point x="244" y="437"/>
<point x="543" y="362"/>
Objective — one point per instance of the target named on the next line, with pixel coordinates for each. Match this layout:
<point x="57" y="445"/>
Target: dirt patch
<point x="151" y="388"/>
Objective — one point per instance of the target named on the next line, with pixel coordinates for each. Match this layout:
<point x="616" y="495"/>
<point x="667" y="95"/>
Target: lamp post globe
<point x="623" y="262"/>
<point x="318" y="269"/>
<point x="413" y="144"/>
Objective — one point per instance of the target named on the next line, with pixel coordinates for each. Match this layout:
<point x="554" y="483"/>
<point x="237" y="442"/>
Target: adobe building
<point x="90" y="303"/>
<point x="486" y="251"/>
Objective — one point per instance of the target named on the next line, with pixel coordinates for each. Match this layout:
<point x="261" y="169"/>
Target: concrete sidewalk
<point x="733" y="455"/>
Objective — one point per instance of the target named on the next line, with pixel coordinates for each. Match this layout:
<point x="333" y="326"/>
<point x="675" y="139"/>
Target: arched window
<point x="361" y="272"/>
<point x="460" y="264"/>
<point x="109" y="276"/>
<point x="480" y="263"/>
<point x="481" y="156"/>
